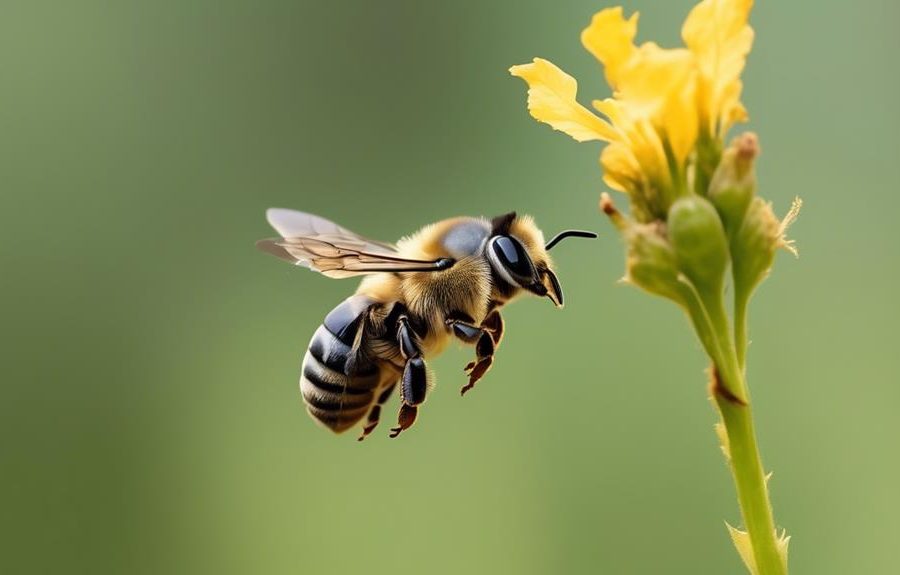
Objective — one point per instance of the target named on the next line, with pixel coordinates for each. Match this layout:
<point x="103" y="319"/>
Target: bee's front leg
<point x="414" y="381"/>
<point x="486" y="337"/>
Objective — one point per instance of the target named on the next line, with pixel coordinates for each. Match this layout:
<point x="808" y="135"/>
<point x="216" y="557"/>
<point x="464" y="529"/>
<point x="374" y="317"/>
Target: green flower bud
<point x="753" y="246"/>
<point x="651" y="263"/>
<point x="734" y="182"/>
<point x="698" y="239"/>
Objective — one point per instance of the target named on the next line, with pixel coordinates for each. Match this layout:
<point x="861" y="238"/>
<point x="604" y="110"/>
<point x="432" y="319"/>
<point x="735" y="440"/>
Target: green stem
<point x="707" y="311"/>
<point x="709" y="152"/>
<point x="710" y="319"/>
<point x="750" y="481"/>
<point x="741" y="301"/>
<point x="746" y="463"/>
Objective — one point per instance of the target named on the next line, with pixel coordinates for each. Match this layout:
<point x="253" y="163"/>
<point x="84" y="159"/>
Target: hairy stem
<point x="729" y="388"/>
<point x="750" y="481"/>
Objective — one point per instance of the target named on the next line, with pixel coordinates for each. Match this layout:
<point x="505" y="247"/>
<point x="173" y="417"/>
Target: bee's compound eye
<point x="510" y="254"/>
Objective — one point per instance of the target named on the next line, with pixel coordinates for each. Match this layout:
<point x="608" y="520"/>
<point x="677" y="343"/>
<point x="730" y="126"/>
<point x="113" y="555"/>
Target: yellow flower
<point x="717" y="33"/>
<point x="665" y="103"/>
<point x="695" y="214"/>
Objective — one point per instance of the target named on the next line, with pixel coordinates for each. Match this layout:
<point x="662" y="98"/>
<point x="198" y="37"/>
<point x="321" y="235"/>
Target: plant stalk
<point x="729" y="388"/>
<point x="741" y="300"/>
<point x="750" y="481"/>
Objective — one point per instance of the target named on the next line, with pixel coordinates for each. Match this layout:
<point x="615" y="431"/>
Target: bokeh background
<point x="150" y="420"/>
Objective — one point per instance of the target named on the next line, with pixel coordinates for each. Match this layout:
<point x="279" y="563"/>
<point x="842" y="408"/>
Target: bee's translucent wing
<point x="323" y="246"/>
<point x="294" y="224"/>
<point x="341" y="257"/>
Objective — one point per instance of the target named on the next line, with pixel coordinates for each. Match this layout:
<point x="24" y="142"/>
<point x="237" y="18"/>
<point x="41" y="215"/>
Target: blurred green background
<point x="150" y="420"/>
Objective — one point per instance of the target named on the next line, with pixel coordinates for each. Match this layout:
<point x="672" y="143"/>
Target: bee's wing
<point x="323" y="246"/>
<point x="294" y="224"/>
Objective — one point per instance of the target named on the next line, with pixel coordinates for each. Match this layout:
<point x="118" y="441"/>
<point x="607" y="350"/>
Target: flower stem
<point x="729" y="388"/>
<point x="741" y="300"/>
<point x="750" y="481"/>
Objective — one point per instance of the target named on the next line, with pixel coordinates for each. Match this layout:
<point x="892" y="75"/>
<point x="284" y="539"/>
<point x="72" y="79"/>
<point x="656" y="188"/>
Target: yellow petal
<point x="652" y="77"/>
<point x="730" y="109"/>
<point x="613" y="110"/>
<point x="640" y="136"/>
<point x="610" y="38"/>
<point x="660" y="85"/>
<point x="621" y="170"/>
<point x="551" y="99"/>
<point x="717" y="33"/>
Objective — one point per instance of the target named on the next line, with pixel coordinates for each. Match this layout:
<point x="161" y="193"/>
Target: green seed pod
<point x="651" y="264"/>
<point x="698" y="238"/>
<point x="753" y="246"/>
<point x="734" y="182"/>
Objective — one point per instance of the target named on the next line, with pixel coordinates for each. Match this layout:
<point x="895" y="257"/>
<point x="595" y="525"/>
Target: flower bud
<point x="734" y="182"/>
<point x="651" y="264"/>
<point x="753" y="246"/>
<point x="698" y="239"/>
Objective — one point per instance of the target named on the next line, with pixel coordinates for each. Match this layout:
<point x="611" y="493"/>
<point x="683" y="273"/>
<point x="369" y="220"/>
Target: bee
<point x="446" y="281"/>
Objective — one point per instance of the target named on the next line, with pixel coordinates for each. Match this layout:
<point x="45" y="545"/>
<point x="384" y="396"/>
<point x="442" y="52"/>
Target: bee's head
<point x="518" y="255"/>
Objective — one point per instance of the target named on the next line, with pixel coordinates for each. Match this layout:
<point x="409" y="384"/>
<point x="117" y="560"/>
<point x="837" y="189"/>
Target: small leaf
<point x="783" y="540"/>
<point x="744" y="546"/>
<point x="741" y="540"/>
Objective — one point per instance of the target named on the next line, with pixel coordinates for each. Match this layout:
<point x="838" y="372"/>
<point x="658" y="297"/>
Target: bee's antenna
<point x="568" y="234"/>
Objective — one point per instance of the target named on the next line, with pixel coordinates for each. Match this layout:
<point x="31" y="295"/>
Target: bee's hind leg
<point x="405" y="419"/>
<point x="413" y="387"/>
<point x="375" y="412"/>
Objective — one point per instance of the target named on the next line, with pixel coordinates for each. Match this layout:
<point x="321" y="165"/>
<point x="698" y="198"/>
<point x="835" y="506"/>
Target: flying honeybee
<point x="447" y="280"/>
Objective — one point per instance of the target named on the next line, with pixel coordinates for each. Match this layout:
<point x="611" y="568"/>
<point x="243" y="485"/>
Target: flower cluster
<point x="693" y="203"/>
<point x="670" y="108"/>
<point x="694" y="211"/>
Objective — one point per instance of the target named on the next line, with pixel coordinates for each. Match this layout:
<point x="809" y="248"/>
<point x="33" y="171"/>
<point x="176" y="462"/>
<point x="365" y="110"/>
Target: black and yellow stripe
<point x="338" y="385"/>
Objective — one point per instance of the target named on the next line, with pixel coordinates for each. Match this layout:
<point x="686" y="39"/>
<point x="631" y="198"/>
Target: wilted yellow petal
<point x="551" y="99"/>
<point x="610" y="38"/>
<point x="718" y="34"/>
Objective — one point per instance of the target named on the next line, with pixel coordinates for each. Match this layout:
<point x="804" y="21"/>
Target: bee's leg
<point x="405" y="419"/>
<point x="464" y="327"/>
<point x="493" y="324"/>
<point x="489" y="335"/>
<point x="484" y="352"/>
<point x="375" y="412"/>
<point x="414" y="382"/>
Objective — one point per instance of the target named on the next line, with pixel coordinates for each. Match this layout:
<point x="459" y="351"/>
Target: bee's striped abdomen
<point x="338" y="383"/>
